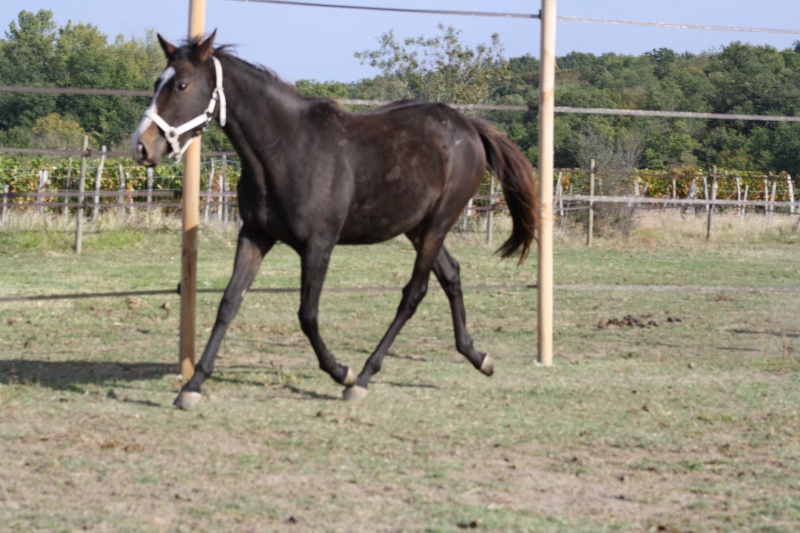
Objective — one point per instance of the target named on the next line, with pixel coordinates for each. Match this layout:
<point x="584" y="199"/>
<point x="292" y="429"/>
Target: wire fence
<point x="119" y="188"/>
<point x="50" y="192"/>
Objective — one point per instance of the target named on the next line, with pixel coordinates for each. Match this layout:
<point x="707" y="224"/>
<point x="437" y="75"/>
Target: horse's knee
<point x="449" y="276"/>
<point x="228" y="307"/>
<point x="308" y="320"/>
<point x="452" y="287"/>
<point x="412" y="298"/>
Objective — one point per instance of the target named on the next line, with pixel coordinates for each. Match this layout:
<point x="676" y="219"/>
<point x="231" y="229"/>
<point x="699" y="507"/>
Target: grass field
<point x="689" y="425"/>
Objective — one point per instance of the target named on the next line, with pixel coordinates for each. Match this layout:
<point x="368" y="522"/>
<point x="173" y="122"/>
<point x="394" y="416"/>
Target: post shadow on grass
<point x="772" y="333"/>
<point x="71" y="375"/>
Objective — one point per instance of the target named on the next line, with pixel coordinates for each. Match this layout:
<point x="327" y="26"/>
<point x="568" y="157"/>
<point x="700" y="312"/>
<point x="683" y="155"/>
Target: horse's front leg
<point x="315" y="260"/>
<point x="250" y="252"/>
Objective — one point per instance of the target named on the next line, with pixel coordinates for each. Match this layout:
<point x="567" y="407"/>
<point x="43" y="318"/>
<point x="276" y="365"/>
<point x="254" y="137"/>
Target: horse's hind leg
<point x="250" y="252"/>
<point x="447" y="272"/>
<point x="413" y="293"/>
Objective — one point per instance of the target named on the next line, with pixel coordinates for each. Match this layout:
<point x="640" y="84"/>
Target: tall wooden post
<point x="547" y="90"/>
<point x="191" y="210"/>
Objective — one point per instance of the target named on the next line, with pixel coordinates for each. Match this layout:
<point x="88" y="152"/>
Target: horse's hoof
<point x="350" y="378"/>
<point x="355" y="393"/>
<point x="188" y="400"/>
<point x="487" y="367"/>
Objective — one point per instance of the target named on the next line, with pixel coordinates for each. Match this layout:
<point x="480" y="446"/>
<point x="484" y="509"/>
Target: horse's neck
<point x="261" y="110"/>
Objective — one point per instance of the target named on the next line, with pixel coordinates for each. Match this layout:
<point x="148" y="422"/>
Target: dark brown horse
<point x="315" y="175"/>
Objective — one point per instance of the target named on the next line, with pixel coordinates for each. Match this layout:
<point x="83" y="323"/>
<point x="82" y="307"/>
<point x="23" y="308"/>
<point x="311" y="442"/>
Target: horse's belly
<point x="368" y="226"/>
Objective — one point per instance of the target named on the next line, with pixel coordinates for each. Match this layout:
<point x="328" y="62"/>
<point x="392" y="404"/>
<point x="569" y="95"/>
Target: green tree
<point x="27" y="57"/>
<point x="51" y="132"/>
<point x="328" y="89"/>
<point x="440" y="68"/>
<point x="37" y="53"/>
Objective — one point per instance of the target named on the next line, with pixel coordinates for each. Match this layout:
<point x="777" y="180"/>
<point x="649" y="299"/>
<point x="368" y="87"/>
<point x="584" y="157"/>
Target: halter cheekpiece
<point x="172" y="133"/>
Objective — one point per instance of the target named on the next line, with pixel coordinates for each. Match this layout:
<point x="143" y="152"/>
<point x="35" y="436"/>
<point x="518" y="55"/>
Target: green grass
<point x="687" y="426"/>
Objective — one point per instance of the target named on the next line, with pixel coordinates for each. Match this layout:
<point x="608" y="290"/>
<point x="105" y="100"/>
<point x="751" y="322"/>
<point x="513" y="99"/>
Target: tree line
<point x="737" y="78"/>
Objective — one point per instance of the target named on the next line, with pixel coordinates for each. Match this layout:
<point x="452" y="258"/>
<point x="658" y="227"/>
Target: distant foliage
<point x="739" y="78"/>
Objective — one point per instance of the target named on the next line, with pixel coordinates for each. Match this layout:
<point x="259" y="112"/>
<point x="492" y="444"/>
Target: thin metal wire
<point x="564" y="18"/>
<point x="676" y="25"/>
<point x="401" y="10"/>
<point x="673" y="114"/>
<point x="69" y="90"/>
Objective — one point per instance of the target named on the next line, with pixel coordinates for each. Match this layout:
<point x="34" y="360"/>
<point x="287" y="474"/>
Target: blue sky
<point x="316" y="43"/>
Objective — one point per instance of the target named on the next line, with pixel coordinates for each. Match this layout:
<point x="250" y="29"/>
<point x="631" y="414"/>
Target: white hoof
<point x="487" y="367"/>
<point x="355" y="393"/>
<point x="350" y="379"/>
<point x="188" y="400"/>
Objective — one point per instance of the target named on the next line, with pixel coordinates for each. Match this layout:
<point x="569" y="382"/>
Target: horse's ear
<point x="167" y="46"/>
<point x="206" y="48"/>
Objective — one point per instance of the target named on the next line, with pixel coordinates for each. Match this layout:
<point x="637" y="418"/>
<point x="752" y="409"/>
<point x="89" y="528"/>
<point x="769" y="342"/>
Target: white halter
<point x="172" y="133"/>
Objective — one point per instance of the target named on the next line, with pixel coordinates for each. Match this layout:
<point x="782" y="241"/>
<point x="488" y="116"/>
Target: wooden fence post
<point x="674" y="189"/>
<point x="222" y="212"/>
<point x="149" y="193"/>
<point x="209" y="189"/>
<point x="772" y="198"/>
<point x="81" y="191"/>
<point x="744" y="199"/>
<point x="766" y="196"/>
<point x="5" y="204"/>
<point x="590" y="230"/>
<point x="121" y="200"/>
<point x="711" y="205"/>
<point x="97" y="181"/>
<point x="191" y="212"/>
<point x="739" y="192"/>
<point x="691" y="194"/>
<point x="67" y="189"/>
<point x="790" y="193"/>
<point x="490" y="213"/>
<point x="129" y="199"/>
<point x="44" y="177"/>
<point x="559" y="200"/>
<point x="467" y="216"/>
<point x="547" y="88"/>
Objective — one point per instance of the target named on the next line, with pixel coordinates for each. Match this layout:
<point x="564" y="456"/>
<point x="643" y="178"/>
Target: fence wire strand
<point x="537" y="16"/>
<point x="401" y="10"/>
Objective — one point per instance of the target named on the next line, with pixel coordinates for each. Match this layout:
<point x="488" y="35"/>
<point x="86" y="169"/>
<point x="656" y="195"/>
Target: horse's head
<point x="188" y="95"/>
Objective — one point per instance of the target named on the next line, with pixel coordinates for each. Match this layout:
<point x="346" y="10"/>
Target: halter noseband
<point x="172" y="133"/>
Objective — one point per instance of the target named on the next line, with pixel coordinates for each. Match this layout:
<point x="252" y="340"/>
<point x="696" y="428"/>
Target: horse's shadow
<point x="74" y="375"/>
<point x="71" y="375"/>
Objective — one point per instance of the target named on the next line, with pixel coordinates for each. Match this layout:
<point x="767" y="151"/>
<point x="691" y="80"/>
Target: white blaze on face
<point x="167" y="75"/>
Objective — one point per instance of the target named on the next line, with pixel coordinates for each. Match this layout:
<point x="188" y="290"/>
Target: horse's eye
<point x="182" y="86"/>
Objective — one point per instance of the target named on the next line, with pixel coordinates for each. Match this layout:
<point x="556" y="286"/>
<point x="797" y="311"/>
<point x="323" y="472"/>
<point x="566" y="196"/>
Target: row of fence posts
<point x="711" y="191"/>
<point x="224" y="214"/>
<point x="223" y="211"/>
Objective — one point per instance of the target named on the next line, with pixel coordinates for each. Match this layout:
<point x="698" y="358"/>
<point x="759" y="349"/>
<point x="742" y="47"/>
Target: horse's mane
<point x="229" y="51"/>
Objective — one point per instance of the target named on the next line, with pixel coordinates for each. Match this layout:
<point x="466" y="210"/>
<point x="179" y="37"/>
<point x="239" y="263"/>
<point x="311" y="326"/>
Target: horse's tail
<point x="519" y="188"/>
